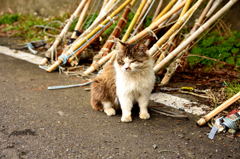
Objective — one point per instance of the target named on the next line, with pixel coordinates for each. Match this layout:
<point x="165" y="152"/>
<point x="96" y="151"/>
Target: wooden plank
<point x="21" y="55"/>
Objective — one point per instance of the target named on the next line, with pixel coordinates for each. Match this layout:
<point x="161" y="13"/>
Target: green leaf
<point x="230" y="60"/>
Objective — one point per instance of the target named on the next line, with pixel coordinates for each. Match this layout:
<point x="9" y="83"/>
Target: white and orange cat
<point x="130" y="79"/>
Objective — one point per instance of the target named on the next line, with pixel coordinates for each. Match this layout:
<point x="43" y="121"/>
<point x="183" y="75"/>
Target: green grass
<point x="232" y="88"/>
<point x="25" y="25"/>
<point x="9" y="18"/>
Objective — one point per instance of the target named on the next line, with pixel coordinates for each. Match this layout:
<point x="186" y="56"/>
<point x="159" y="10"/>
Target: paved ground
<point x="36" y="123"/>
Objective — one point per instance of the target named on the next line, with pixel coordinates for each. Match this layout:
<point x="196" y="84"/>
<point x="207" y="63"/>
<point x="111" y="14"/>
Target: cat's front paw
<point x="144" y="115"/>
<point x="126" y="119"/>
<point x="110" y="111"/>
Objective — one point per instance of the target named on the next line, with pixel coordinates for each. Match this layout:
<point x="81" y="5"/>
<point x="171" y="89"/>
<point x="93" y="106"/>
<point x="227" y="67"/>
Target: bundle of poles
<point x="168" y="44"/>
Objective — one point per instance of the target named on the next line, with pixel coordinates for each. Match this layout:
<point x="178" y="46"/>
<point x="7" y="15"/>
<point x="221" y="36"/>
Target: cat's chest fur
<point x="132" y="83"/>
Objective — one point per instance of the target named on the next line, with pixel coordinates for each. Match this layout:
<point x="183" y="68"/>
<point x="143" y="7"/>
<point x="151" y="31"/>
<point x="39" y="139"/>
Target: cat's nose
<point x="127" y="68"/>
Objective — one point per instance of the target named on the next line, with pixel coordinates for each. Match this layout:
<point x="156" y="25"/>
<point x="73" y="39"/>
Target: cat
<point x="128" y="80"/>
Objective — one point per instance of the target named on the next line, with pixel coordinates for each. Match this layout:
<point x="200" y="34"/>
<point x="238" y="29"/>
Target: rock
<point x="60" y="113"/>
<point x="155" y="146"/>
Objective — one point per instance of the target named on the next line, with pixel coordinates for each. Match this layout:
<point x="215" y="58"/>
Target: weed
<point x="214" y="45"/>
<point x="232" y="88"/>
<point x="9" y="18"/>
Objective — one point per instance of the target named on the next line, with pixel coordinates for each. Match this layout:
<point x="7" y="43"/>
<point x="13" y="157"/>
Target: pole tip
<point x="201" y="122"/>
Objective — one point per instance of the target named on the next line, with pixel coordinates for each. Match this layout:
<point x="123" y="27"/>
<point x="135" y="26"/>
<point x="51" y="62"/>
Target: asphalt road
<point x="36" y="123"/>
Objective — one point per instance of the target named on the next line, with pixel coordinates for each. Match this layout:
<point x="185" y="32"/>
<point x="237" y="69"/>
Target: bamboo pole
<point x="154" y="25"/>
<point x="217" y="110"/>
<point x="80" y="20"/>
<point x="99" y="63"/>
<point x="176" y="63"/>
<point x="145" y="8"/>
<point x="154" y="17"/>
<point x="192" y="37"/>
<point x="51" y="51"/>
<point x="134" y="20"/>
<point x="166" y="9"/>
<point x="176" y="26"/>
<point x="88" y="42"/>
<point x="116" y="32"/>
<point x="81" y="41"/>
<point x="105" y="10"/>
<point x="143" y="17"/>
<point x="171" y="38"/>
<point x="97" y="21"/>
<point x="158" y="9"/>
<point x="214" y="7"/>
<point x="174" y="16"/>
<point x="185" y="8"/>
<point x="104" y="4"/>
<point x="109" y="43"/>
<point x="202" y="16"/>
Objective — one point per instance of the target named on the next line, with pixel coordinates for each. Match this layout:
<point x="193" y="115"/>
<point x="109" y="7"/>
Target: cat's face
<point x="132" y="58"/>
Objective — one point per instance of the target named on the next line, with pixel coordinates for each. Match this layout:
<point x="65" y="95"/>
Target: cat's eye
<point x="120" y="62"/>
<point x="136" y="61"/>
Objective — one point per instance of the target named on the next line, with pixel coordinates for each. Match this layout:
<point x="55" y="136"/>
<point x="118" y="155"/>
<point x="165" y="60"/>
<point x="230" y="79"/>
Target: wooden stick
<point x="79" y="42"/>
<point x="214" y="7"/>
<point x="143" y="17"/>
<point x="145" y="8"/>
<point x="166" y="9"/>
<point x="158" y="9"/>
<point x="109" y="43"/>
<point x="154" y="17"/>
<point x="185" y="8"/>
<point x="155" y="24"/>
<point x="80" y="20"/>
<point x="99" y="63"/>
<point x="116" y="32"/>
<point x="134" y="20"/>
<point x="175" y="27"/>
<point x="192" y="37"/>
<point x="107" y="7"/>
<point x="176" y="63"/>
<point x="217" y="110"/>
<point x="51" y="51"/>
<point x="202" y="16"/>
<point x="91" y="40"/>
<point x="97" y="21"/>
<point x="174" y="16"/>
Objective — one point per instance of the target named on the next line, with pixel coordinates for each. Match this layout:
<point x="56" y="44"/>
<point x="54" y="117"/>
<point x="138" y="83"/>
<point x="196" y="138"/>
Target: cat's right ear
<point x="119" y="44"/>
